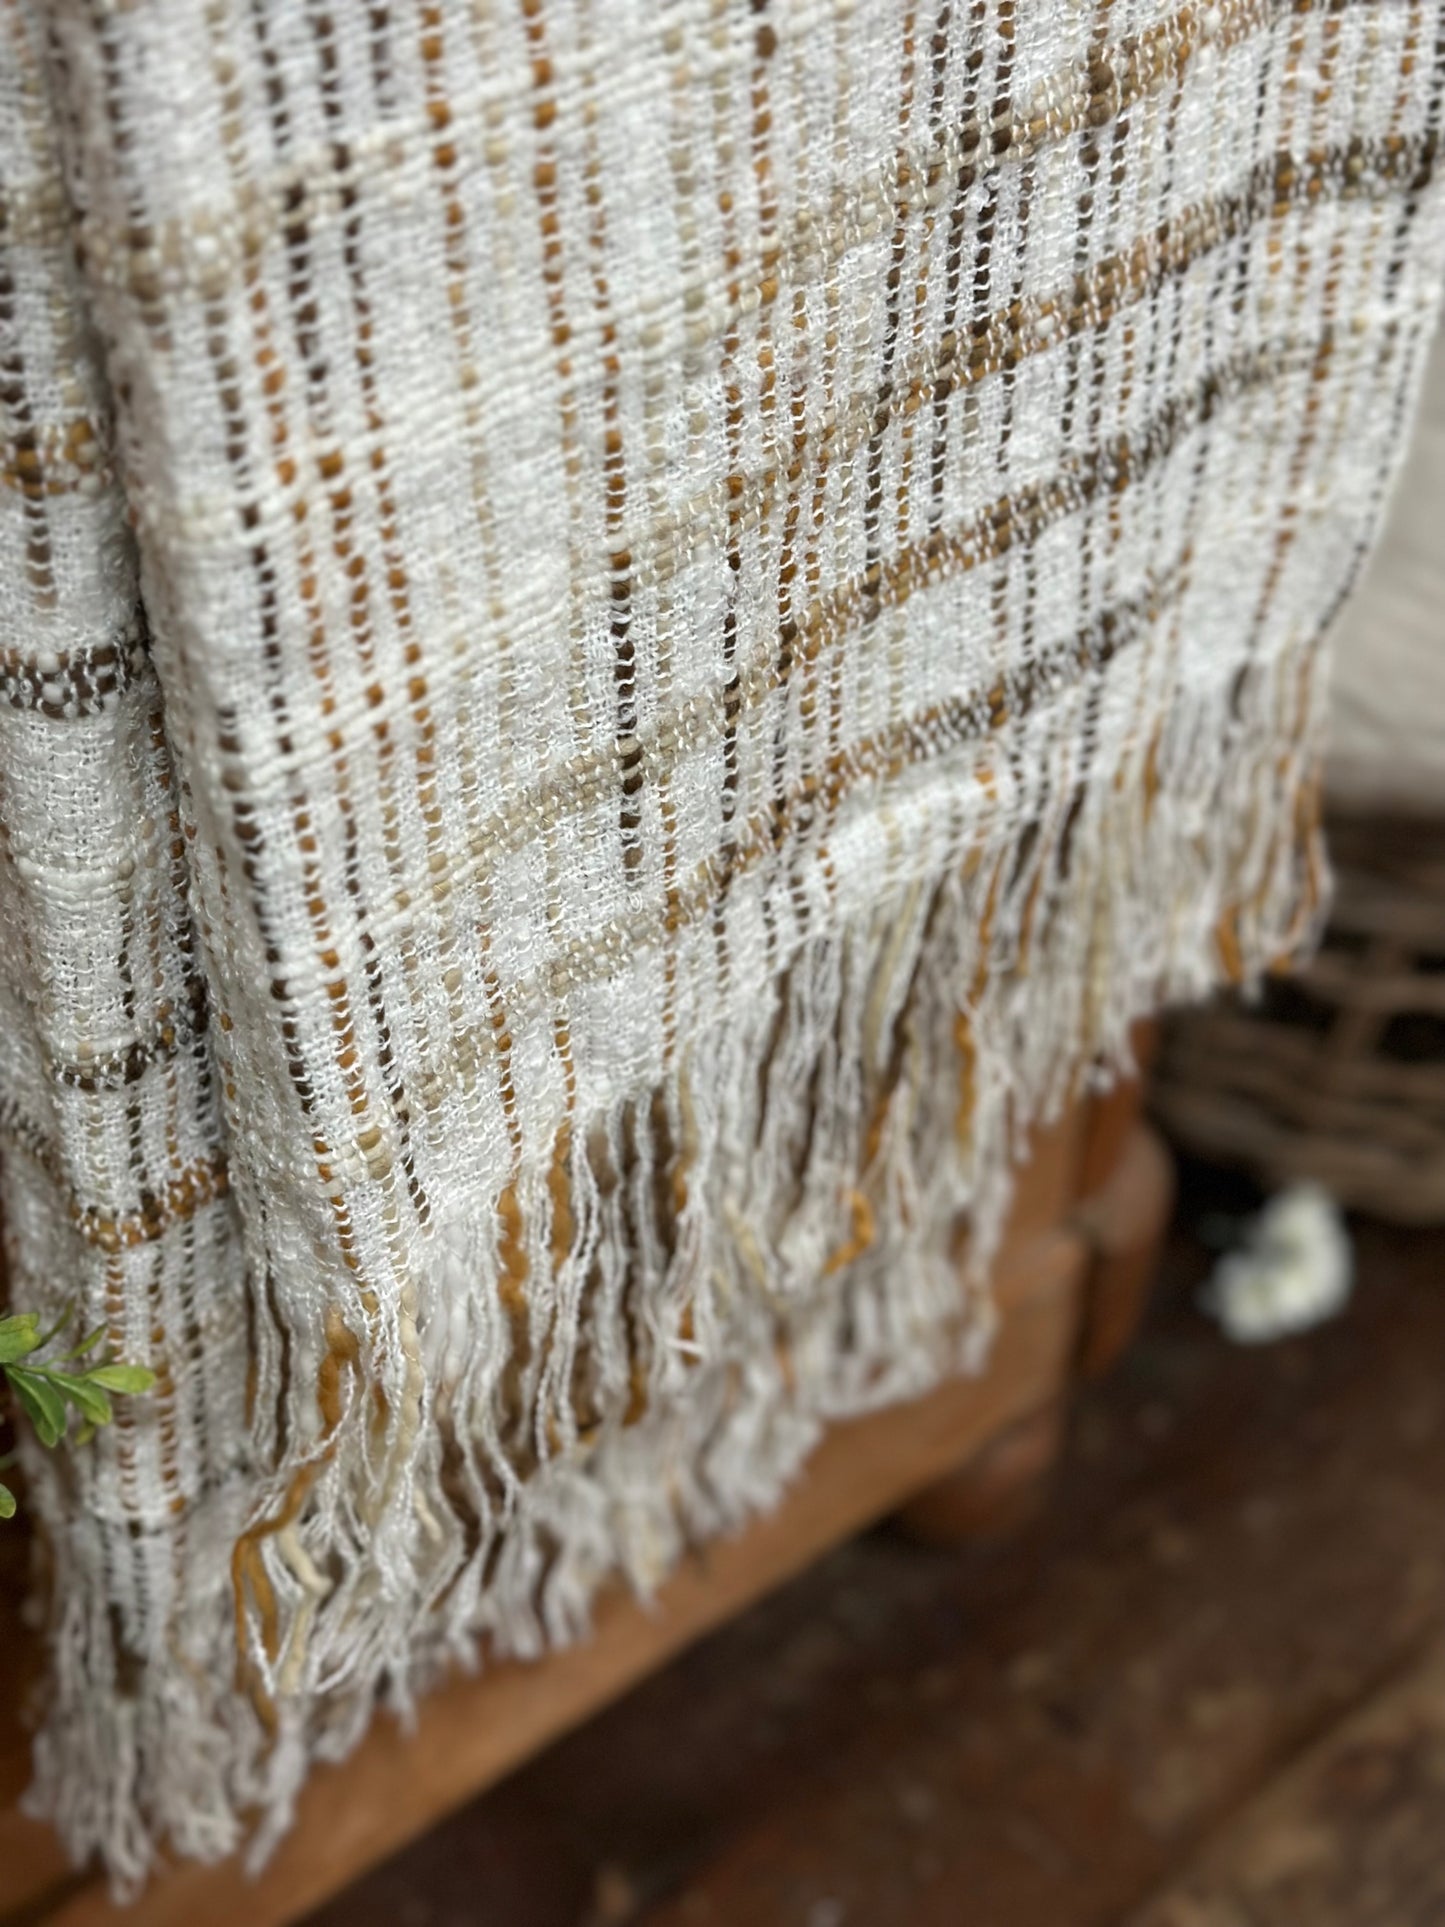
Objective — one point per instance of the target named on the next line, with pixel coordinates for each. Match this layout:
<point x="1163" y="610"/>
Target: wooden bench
<point x="1072" y="1276"/>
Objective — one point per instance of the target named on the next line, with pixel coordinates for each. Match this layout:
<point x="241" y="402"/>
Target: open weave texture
<point x="631" y="633"/>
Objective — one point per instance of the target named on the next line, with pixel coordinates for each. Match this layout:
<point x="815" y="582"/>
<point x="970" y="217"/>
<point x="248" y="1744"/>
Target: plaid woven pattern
<point x="725" y="595"/>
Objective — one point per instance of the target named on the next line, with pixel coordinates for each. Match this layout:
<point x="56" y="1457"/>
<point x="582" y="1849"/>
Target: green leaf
<point x="90" y="1339"/>
<point x="7" y="1503"/>
<point x="123" y="1378"/>
<point x="19" y="1336"/>
<point x="59" y="1326"/>
<point x="87" y="1398"/>
<point x="41" y="1401"/>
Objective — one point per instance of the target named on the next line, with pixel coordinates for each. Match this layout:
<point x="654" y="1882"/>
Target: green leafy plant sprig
<point x="49" y="1390"/>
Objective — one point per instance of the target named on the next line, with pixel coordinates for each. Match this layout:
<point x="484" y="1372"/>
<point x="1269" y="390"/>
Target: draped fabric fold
<point x="631" y="635"/>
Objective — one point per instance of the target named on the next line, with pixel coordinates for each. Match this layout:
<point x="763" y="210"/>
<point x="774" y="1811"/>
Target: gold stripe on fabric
<point x="185" y="1192"/>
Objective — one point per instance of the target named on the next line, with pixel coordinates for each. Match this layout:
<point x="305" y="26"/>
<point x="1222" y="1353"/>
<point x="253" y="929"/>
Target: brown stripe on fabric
<point x="36" y="213"/>
<point x="306" y="187"/>
<point x="1226" y="299"/>
<point x="1097" y="203"/>
<point x="80" y="682"/>
<point x="58" y="459"/>
<point x="186" y="1191"/>
<point x="765" y="45"/>
<point x="732" y="415"/>
<point x="814" y="830"/>
<point x="682" y="161"/>
<point x="180" y="1336"/>
<point x="134" y="969"/>
<point x="291" y="194"/>
<point x="1086" y="206"/>
<point x="930" y="733"/>
<point x="1087" y="95"/>
<point x="1165" y="337"/>
<point x="1294" y="712"/>
<point x="115" y="1301"/>
<point x="319" y="442"/>
<point x="815" y="716"/>
<point x="447" y="118"/>
<point x="353" y="553"/>
<point x="1321" y="87"/>
<point x="1297" y="91"/>
<point x="111" y="1070"/>
<point x="614" y="514"/>
<point x="939" y="399"/>
<point x="549" y="174"/>
<point x="134" y="240"/>
<point x="226" y="373"/>
<point x="768" y="240"/>
<point x="305" y="315"/>
<point x="529" y="1356"/>
<point x="590" y="959"/>
<point x="816" y="824"/>
<point x="892" y="315"/>
<point x="937" y="47"/>
<point x="1275" y="184"/>
<point x="1355" y="170"/>
<point x="964" y="176"/>
<point x="470" y="354"/>
<point x="1013" y="520"/>
<point x="984" y="279"/>
<point x="1309" y="83"/>
<point x="161" y="1418"/>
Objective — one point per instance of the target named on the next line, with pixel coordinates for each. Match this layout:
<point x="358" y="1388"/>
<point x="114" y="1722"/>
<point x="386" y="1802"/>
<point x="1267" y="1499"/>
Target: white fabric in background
<point x="1387" y="712"/>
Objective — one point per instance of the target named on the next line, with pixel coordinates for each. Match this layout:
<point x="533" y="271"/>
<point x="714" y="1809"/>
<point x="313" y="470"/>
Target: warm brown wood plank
<point x="1123" y="1219"/>
<point x="33" y="1865"/>
<point x="476" y="1730"/>
<point x="1110" y="1118"/>
<point x="1350" y="1838"/>
<point x="1124" y="1222"/>
<point x="1244" y="1543"/>
<point x="1046" y="1184"/>
<point x="998" y="1490"/>
<point x="31" y="1860"/>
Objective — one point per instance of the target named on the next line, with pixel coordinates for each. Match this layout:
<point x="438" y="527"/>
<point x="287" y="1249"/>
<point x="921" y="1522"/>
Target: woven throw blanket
<point x="632" y="631"/>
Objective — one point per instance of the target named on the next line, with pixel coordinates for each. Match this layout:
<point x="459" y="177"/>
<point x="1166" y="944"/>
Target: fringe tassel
<point x="640" y="1340"/>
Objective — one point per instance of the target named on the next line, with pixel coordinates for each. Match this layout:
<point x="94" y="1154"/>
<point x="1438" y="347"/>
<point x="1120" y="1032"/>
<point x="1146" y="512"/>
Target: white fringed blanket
<point x="632" y="629"/>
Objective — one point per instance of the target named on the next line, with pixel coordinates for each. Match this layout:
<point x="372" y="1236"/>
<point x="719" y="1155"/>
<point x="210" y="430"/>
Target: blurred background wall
<point x="1388" y="719"/>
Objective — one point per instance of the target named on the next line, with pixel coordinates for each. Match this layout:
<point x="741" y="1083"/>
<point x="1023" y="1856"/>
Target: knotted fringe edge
<point x="825" y="1139"/>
